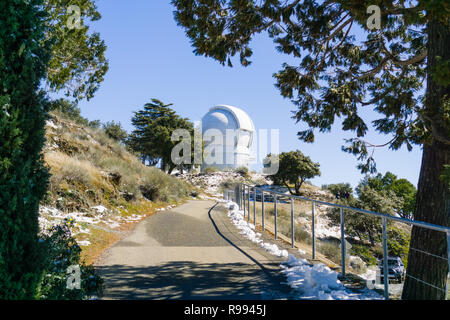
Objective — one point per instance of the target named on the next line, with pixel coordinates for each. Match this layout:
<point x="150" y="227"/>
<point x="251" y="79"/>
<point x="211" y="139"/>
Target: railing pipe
<point x="292" y="224"/>
<point x="262" y="205"/>
<point x="248" y="203"/>
<point x="313" y="230"/>
<point x="385" y="262"/>
<point x="275" y="215"/>
<point x="254" y="206"/>
<point x="243" y="198"/>
<point x="343" y="241"/>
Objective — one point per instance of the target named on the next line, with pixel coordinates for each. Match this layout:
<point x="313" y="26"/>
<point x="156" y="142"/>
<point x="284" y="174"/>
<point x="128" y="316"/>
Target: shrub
<point x="331" y="250"/>
<point x="150" y="192"/>
<point x="208" y="170"/>
<point x="72" y="170"/>
<point x="364" y="252"/>
<point x="302" y="235"/>
<point x="115" y="131"/>
<point x="228" y="184"/>
<point x="243" y="171"/>
<point x="68" y="110"/>
<point x="62" y="251"/>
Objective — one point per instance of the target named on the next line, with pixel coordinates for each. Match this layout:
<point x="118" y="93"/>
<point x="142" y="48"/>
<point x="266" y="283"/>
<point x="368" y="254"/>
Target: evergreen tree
<point x="23" y="178"/>
<point x="152" y="136"/>
<point x="341" y="72"/>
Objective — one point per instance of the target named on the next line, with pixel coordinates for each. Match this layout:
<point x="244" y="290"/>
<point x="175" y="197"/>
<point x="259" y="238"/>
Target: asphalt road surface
<point x="190" y="252"/>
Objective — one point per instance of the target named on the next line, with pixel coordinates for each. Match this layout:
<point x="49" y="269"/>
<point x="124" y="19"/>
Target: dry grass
<point x="71" y="169"/>
<point x="88" y="168"/>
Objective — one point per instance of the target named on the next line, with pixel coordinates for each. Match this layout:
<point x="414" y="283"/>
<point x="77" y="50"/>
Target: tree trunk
<point x="433" y="196"/>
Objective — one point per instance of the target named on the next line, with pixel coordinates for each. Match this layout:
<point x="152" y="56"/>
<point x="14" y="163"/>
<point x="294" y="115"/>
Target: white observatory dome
<point x="228" y="134"/>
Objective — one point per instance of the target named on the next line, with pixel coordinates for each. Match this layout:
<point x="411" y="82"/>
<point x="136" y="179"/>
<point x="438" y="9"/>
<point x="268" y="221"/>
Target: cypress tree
<point x="24" y="56"/>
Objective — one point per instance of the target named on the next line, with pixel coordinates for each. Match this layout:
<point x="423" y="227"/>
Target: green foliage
<point x="293" y="169"/>
<point x="24" y="53"/>
<point x="402" y="189"/>
<point x="339" y="189"/>
<point x="95" y="124"/>
<point x="62" y="251"/>
<point x="152" y="137"/>
<point x="364" y="252"/>
<point x="366" y="227"/>
<point x="115" y="131"/>
<point x="68" y="110"/>
<point x="445" y="177"/>
<point x="78" y="64"/>
<point x="398" y="243"/>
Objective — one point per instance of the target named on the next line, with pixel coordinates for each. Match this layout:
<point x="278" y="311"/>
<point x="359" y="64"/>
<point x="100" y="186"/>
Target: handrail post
<point x="448" y="258"/>
<point x="254" y="206"/>
<point x="248" y="203"/>
<point x="343" y="242"/>
<point x="262" y="204"/>
<point x="292" y="223"/>
<point x="240" y="195"/>
<point x="275" y="214"/>
<point x="313" y="229"/>
<point x="385" y="262"/>
<point x="243" y="198"/>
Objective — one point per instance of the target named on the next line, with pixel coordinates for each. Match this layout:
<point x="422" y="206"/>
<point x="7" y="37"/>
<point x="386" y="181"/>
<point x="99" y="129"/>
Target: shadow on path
<point x="188" y="280"/>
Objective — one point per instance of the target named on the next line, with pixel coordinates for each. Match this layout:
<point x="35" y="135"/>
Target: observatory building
<point x="228" y="134"/>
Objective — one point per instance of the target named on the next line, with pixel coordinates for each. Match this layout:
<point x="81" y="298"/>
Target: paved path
<point x="190" y="252"/>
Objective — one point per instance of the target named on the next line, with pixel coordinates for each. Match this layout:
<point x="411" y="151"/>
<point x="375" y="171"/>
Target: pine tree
<point x="23" y="178"/>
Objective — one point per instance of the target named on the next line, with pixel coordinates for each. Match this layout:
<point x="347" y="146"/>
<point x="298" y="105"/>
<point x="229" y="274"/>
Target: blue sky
<point x="150" y="57"/>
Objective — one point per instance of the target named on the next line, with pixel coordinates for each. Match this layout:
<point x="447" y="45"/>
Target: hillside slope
<point x="98" y="186"/>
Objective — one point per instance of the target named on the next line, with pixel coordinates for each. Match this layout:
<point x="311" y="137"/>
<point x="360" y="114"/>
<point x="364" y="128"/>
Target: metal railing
<point x="241" y="196"/>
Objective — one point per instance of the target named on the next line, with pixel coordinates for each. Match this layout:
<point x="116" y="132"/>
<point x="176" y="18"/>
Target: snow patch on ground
<point x="319" y="282"/>
<point x="100" y="209"/>
<point x="84" y="243"/>
<point x="50" y="217"/>
<point x="248" y="230"/>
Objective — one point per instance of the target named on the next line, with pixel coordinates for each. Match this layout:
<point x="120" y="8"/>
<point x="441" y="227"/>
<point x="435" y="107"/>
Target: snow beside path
<point x="248" y="230"/>
<point x="319" y="282"/>
<point x="311" y="281"/>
